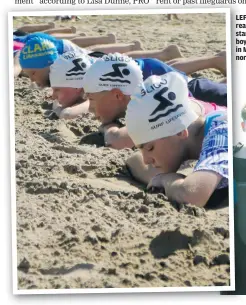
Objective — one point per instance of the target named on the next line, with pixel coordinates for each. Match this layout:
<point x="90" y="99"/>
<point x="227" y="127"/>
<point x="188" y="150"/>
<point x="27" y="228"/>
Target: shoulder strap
<point x="209" y="120"/>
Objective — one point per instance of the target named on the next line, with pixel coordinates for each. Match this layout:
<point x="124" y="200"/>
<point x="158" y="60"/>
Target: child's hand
<point x="51" y="115"/>
<point x="56" y="105"/>
<point x="65" y="113"/>
<point x="156" y="182"/>
<point x="109" y="139"/>
<point x="103" y="128"/>
<point x="57" y="111"/>
<point x="109" y="133"/>
<point x="163" y="181"/>
<point x="49" y="94"/>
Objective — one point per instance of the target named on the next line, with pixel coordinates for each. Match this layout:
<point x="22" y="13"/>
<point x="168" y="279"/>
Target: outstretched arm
<point x="116" y="137"/>
<point x="73" y="112"/>
<point x="196" y="188"/>
<point x="139" y="170"/>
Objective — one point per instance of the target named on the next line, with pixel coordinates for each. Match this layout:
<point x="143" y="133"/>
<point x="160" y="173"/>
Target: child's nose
<point x="91" y="108"/>
<point x="54" y="95"/>
<point x="147" y="159"/>
<point x="32" y="78"/>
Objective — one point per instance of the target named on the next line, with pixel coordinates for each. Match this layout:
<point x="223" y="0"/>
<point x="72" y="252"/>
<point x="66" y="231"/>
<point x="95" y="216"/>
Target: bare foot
<point x="112" y="38"/>
<point x="221" y="62"/>
<point x="169" y="17"/>
<point x="73" y="29"/>
<point x="171" y="52"/>
<point x="52" y="24"/>
<point x="137" y="45"/>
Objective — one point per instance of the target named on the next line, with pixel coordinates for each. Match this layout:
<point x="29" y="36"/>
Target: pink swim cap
<point x="18" y="45"/>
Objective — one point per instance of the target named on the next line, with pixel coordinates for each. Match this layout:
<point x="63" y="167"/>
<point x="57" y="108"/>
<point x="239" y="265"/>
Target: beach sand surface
<point x="82" y="222"/>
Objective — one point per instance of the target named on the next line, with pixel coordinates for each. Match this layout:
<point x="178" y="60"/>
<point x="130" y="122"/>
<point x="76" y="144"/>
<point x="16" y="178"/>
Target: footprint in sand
<point x="61" y="134"/>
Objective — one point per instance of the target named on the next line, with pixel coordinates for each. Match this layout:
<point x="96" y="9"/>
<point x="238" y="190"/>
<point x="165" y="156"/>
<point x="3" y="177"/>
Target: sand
<point x="82" y="222"/>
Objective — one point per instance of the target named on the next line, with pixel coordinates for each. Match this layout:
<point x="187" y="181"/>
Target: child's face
<point x="105" y="105"/>
<point x="166" y="153"/>
<point x="39" y="76"/>
<point x="66" y="96"/>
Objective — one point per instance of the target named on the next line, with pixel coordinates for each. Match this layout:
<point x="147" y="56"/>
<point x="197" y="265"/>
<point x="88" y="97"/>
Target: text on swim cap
<point x="117" y="58"/>
<point x="153" y="87"/>
<point x="69" y="55"/>
<point x="51" y="52"/>
<point x="38" y="47"/>
<point x="174" y="118"/>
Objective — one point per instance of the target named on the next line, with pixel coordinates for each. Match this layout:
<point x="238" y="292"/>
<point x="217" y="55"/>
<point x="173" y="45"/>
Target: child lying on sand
<point x="38" y="47"/>
<point x="103" y="44"/>
<point x="39" y="53"/>
<point x="132" y="49"/>
<point x="204" y="89"/>
<point x="162" y="124"/>
<point x="66" y="79"/>
<point x="111" y="81"/>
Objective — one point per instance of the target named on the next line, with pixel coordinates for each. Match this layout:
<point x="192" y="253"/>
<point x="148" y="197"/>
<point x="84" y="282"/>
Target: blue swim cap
<point x="38" y="53"/>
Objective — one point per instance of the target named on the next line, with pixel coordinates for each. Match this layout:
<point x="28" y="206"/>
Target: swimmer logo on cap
<point x="117" y="75"/>
<point x="164" y="103"/>
<point x="78" y="68"/>
<point x="159" y="108"/>
<point x="69" y="70"/>
<point x="113" y="71"/>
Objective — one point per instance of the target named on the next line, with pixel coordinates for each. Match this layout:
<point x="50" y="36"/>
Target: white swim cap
<point x="113" y="71"/>
<point x="69" y="70"/>
<point x="159" y="108"/>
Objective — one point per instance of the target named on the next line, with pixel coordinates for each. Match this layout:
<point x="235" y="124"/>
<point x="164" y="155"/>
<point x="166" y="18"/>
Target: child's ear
<point x="118" y="94"/>
<point x="183" y="134"/>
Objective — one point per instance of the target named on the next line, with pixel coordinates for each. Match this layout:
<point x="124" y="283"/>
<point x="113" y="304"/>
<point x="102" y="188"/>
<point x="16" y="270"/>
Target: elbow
<point x="197" y="201"/>
<point x="113" y="139"/>
<point x="199" y="187"/>
<point x="115" y="143"/>
<point x="66" y="114"/>
<point x="196" y="198"/>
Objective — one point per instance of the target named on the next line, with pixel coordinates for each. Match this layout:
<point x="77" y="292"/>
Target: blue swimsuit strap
<point x="209" y="120"/>
<point x="208" y="123"/>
